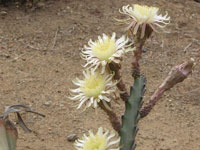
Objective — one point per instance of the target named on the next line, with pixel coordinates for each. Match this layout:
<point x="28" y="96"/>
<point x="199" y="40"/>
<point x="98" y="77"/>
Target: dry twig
<point x="55" y="37"/>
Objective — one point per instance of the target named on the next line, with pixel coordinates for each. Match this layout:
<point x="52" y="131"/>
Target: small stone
<point x="144" y="50"/>
<point x="72" y="137"/>
<point x="40" y="5"/>
<point x="64" y="11"/>
<point x="61" y="105"/>
<point x="3" y="13"/>
<point x="47" y="103"/>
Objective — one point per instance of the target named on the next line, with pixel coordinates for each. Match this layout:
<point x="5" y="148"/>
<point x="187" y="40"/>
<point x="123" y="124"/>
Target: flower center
<point x="95" y="143"/>
<point x="144" y="14"/>
<point x="93" y="85"/>
<point x="104" y="49"/>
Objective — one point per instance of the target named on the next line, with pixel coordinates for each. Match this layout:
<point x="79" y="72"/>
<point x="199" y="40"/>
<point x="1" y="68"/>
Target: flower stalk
<point x="112" y="117"/>
<point x="120" y="85"/>
<point x="137" y="53"/>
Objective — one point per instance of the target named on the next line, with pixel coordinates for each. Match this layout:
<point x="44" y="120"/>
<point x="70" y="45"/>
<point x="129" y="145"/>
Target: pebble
<point x="40" y="5"/>
<point x="61" y="105"/>
<point x="47" y="103"/>
<point x="3" y="13"/>
<point x="72" y="137"/>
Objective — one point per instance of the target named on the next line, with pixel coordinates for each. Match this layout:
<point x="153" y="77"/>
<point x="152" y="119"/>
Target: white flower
<point x="95" y="87"/>
<point x="103" y="51"/>
<point x="98" y="141"/>
<point x="143" y="15"/>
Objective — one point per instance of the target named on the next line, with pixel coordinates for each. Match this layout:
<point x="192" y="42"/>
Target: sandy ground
<point x="39" y="56"/>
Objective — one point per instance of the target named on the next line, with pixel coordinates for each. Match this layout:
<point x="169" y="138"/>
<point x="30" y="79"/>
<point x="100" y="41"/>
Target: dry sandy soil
<point x="39" y="56"/>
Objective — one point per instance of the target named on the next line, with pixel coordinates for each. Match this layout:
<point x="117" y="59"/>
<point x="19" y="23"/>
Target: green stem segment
<point x="131" y="117"/>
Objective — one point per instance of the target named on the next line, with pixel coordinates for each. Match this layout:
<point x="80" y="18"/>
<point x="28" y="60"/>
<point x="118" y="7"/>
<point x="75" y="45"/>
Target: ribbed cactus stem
<point x="131" y="116"/>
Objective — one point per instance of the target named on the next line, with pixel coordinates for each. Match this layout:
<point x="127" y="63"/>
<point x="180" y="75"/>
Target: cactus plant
<point x="8" y="131"/>
<point x="8" y="135"/>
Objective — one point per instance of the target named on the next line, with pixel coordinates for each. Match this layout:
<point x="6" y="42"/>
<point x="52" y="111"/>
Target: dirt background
<point x="39" y="56"/>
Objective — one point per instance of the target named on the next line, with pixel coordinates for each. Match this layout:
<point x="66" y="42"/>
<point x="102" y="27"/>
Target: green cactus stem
<point x="131" y="116"/>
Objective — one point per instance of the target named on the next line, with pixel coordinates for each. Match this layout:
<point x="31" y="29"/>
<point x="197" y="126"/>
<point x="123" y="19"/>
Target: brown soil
<point x="39" y="56"/>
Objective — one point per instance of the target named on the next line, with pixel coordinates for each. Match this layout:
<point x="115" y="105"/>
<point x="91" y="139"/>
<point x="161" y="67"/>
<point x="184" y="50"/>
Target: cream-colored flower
<point x="95" y="87"/>
<point x="142" y="15"/>
<point x="98" y="141"/>
<point x="103" y="51"/>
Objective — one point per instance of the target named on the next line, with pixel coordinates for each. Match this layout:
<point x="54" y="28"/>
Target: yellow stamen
<point x="94" y="85"/>
<point x="95" y="143"/>
<point x="104" y="49"/>
<point x="145" y="14"/>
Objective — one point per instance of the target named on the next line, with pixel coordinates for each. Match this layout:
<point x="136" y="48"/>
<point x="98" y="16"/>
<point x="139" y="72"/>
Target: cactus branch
<point x="177" y="74"/>
<point x="8" y="135"/>
<point x="8" y="131"/>
<point x="131" y="117"/>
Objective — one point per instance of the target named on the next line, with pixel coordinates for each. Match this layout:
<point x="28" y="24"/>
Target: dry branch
<point x="177" y="74"/>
